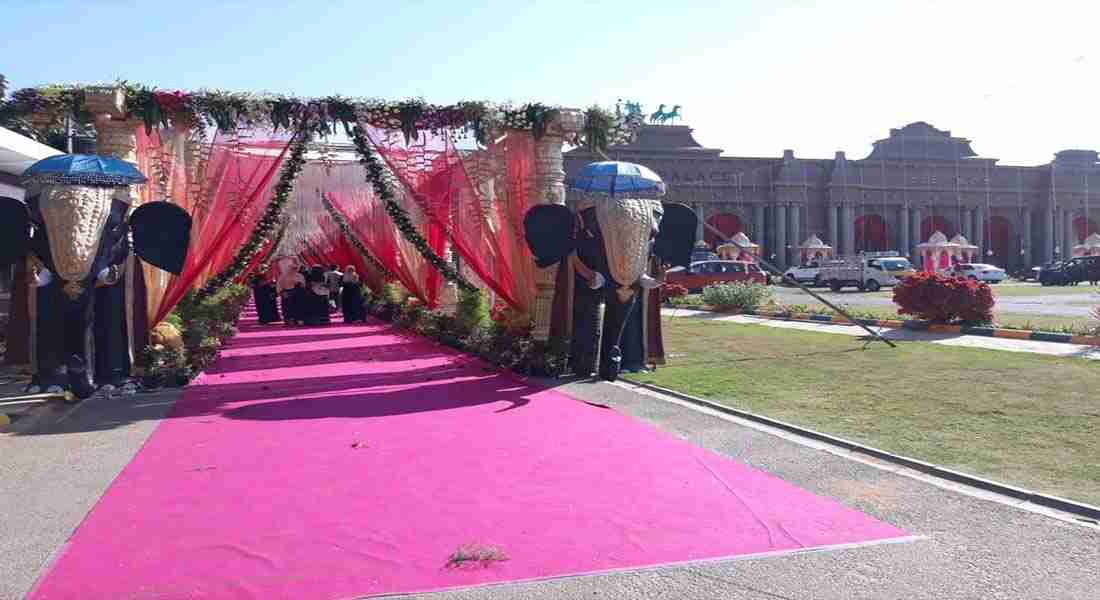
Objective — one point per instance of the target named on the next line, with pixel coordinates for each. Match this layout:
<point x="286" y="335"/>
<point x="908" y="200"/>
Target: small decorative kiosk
<point x="1089" y="247"/>
<point x="742" y="248"/>
<point x="813" y="249"/>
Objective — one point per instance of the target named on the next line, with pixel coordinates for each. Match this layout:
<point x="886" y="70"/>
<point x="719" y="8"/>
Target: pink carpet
<point x="350" y="461"/>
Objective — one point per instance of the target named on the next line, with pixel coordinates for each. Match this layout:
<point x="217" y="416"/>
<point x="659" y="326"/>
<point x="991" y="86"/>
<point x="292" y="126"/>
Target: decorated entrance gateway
<point x="423" y="198"/>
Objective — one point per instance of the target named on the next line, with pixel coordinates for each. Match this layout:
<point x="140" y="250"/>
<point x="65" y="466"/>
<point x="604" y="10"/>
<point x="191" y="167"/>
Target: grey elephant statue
<point x="617" y="250"/>
<point x="78" y="239"/>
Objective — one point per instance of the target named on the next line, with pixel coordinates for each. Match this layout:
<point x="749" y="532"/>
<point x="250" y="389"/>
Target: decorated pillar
<point x="116" y="135"/>
<point x="967" y="224"/>
<point x="550" y="189"/>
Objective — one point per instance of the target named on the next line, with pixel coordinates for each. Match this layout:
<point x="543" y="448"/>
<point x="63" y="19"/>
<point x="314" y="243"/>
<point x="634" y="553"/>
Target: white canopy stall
<point x="813" y="249"/>
<point x="18" y="152"/>
<point x="742" y="248"/>
<point x="1089" y="247"/>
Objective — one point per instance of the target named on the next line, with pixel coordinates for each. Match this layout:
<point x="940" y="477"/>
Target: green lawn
<point x="1024" y="419"/>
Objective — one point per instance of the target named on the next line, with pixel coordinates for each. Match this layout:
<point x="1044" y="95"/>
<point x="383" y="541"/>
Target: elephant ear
<point x="162" y="233"/>
<point x="15" y="230"/>
<point x="676" y="236"/>
<point x="549" y="232"/>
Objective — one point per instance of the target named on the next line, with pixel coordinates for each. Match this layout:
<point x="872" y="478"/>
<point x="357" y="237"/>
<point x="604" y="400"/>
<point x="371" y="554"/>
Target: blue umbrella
<point x="83" y="169"/>
<point x="615" y="178"/>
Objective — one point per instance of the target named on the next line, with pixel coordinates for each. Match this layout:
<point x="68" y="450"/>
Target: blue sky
<point x="752" y="77"/>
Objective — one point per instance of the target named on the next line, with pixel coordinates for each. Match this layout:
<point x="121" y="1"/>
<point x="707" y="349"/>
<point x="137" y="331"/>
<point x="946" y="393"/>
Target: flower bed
<point x="737" y="296"/>
<point x="191" y="337"/>
<point x="500" y="336"/>
<point x="941" y="299"/>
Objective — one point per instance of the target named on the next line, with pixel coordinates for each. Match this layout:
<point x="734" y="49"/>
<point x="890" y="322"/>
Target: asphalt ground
<point x="57" y="462"/>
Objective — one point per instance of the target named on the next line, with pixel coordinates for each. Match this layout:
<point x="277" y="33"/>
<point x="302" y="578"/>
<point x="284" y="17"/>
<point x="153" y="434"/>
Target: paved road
<point x="59" y="463"/>
<point x="1052" y="305"/>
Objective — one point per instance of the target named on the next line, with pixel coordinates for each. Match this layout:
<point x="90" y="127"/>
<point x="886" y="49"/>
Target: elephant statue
<point x="78" y="239"/>
<point x="617" y="250"/>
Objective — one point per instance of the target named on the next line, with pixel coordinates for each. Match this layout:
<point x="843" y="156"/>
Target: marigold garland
<point x="376" y="176"/>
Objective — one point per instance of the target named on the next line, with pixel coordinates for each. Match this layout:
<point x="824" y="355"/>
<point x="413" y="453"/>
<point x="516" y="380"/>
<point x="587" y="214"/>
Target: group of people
<point x="309" y="295"/>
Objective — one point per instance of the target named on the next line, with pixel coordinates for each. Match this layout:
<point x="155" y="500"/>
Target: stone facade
<point x="916" y="181"/>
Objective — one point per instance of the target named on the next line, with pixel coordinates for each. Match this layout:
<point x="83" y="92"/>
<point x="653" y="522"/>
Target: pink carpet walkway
<point x="349" y="461"/>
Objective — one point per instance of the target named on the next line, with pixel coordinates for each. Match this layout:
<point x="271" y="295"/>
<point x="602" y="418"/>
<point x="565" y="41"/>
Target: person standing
<point x="333" y="279"/>
<point x="352" y="297"/>
<point x="263" y="293"/>
<point x="317" y="297"/>
<point x="291" y="288"/>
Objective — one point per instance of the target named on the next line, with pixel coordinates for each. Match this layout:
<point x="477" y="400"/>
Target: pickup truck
<point x="870" y="272"/>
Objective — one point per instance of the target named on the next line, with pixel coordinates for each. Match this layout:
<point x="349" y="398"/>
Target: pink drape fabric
<point x="234" y="186"/>
<point x="474" y="198"/>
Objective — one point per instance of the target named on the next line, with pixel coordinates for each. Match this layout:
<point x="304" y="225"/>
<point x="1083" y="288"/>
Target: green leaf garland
<point x="230" y="111"/>
<point x="376" y="176"/>
<point x="271" y="218"/>
<point x="345" y="228"/>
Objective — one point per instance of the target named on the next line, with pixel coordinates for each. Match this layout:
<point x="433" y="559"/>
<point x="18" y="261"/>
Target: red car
<point x="705" y="272"/>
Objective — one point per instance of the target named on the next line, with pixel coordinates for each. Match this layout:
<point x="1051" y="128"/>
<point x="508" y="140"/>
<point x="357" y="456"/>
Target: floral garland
<point x="376" y="176"/>
<point x="345" y="228"/>
<point x="271" y="218"/>
<point x="229" y="111"/>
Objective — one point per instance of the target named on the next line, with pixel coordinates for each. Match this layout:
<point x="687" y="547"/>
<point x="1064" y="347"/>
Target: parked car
<point x="870" y="271"/>
<point x="703" y="273"/>
<point x="978" y="272"/>
<point x="805" y="274"/>
<point x="1071" y="272"/>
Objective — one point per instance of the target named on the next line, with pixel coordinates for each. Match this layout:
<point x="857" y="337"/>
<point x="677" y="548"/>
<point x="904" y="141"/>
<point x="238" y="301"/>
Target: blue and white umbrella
<point x="616" y="178"/>
<point x="83" y="169"/>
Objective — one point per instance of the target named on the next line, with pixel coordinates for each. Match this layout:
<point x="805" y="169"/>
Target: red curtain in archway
<point x="728" y="224"/>
<point x="936" y="223"/>
<point x="871" y="233"/>
<point x="1000" y="241"/>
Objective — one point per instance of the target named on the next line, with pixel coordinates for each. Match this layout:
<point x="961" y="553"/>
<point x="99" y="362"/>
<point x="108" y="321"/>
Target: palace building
<point x="915" y="182"/>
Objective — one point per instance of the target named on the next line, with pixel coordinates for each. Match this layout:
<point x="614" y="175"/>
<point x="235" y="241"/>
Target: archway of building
<point x="1083" y="228"/>
<point x="871" y="233"/>
<point x="728" y="223"/>
<point x="936" y="223"/>
<point x="1002" y="242"/>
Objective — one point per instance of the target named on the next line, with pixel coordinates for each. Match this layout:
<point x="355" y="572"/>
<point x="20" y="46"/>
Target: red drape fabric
<point x="234" y="185"/>
<point x="474" y="198"/>
<point x="314" y="234"/>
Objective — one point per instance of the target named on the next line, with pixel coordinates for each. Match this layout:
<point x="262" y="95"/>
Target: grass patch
<point x="475" y="556"/>
<point x="1024" y="419"/>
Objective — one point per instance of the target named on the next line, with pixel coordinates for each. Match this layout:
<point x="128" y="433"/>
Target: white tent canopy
<point x="18" y="152"/>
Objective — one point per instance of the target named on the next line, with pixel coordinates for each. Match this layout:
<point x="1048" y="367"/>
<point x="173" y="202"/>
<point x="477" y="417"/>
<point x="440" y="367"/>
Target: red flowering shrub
<point x="673" y="290"/>
<point x="944" y="299"/>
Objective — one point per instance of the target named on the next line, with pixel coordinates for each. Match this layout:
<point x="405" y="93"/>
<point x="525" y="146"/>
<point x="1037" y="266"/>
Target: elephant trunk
<point x="627" y="226"/>
<point x="75" y="218"/>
